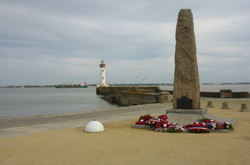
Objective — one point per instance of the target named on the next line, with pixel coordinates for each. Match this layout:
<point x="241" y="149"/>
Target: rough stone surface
<point x="186" y="77"/>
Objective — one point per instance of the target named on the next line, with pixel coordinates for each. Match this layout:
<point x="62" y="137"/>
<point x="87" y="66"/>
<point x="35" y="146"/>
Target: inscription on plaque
<point x="184" y="103"/>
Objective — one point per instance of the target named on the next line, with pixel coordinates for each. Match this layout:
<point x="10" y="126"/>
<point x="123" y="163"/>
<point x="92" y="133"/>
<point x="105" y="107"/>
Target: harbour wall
<point x="223" y="94"/>
<point x="126" y="96"/>
<point x="112" y="90"/>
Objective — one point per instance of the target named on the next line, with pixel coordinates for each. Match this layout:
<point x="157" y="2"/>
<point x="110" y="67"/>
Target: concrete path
<point x="39" y="124"/>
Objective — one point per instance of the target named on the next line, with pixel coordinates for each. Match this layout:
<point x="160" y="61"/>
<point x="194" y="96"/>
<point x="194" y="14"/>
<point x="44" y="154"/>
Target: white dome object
<point x="94" y="126"/>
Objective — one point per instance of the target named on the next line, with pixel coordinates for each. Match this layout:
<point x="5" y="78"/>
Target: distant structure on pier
<point x="103" y="75"/>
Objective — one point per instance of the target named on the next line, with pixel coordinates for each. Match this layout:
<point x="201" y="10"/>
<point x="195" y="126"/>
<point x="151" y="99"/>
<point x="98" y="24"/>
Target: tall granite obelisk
<point x="186" y="77"/>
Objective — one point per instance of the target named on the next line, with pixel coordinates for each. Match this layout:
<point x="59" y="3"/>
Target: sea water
<point x="24" y="102"/>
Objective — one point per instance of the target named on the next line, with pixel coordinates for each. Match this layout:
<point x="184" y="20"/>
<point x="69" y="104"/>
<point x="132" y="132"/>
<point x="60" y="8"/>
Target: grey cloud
<point x="113" y="30"/>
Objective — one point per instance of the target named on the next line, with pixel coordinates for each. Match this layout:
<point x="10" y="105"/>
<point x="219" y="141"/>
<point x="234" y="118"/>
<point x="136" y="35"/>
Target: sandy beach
<point x="60" y="140"/>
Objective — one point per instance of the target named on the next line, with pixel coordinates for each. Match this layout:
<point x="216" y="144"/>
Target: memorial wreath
<point x="160" y="124"/>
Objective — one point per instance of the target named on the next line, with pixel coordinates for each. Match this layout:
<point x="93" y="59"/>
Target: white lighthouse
<point x="102" y="74"/>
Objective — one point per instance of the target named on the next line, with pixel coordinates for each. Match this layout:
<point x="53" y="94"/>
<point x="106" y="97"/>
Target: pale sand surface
<point x="120" y="144"/>
<point x="39" y="124"/>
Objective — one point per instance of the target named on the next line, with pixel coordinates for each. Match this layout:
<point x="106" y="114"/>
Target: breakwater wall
<point x="223" y="94"/>
<point x="126" y="96"/>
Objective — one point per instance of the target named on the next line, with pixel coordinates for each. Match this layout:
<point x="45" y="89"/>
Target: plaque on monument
<point x="184" y="103"/>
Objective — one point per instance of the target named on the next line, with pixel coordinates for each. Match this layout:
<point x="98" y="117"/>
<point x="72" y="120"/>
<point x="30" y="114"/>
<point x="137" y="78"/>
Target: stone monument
<point x="186" y="95"/>
<point x="186" y="77"/>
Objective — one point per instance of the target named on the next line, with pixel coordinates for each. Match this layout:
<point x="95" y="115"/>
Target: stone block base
<point x="141" y="126"/>
<point x="187" y="111"/>
<point x="188" y="116"/>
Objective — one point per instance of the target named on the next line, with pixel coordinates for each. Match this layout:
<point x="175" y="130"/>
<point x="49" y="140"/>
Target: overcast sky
<point x="55" y="41"/>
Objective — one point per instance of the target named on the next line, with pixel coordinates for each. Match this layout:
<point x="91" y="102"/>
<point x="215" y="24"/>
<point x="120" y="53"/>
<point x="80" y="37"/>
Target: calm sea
<point x="23" y="102"/>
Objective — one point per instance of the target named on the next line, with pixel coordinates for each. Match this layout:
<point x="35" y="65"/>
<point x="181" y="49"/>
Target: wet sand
<point x="120" y="144"/>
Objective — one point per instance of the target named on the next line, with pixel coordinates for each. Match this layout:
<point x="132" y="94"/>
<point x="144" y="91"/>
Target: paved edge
<point x="33" y="125"/>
